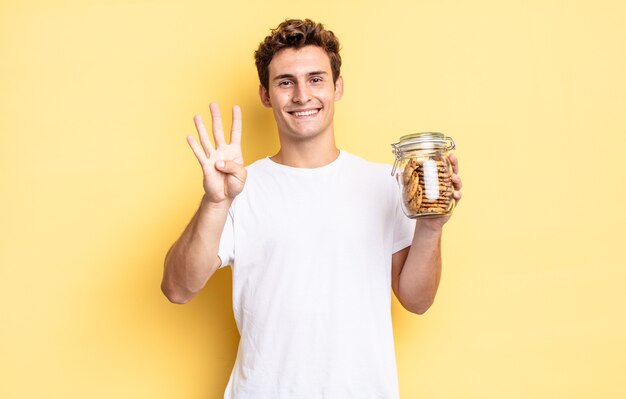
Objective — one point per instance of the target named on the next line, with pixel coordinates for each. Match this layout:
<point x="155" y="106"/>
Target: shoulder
<point x="373" y="181"/>
<point x="374" y="170"/>
<point x="373" y="177"/>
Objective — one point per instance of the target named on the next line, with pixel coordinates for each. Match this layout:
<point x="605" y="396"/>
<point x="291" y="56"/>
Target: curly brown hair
<point x="296" y="33"/>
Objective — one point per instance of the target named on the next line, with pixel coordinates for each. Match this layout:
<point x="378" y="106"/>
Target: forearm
<point x="193" y="258"/>
<point x="419" y="279"/>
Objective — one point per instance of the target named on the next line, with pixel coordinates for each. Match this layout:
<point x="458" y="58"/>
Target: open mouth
<point x="305" y="113"/>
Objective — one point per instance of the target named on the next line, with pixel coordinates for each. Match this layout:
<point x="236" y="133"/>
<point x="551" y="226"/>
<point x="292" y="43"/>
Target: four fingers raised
<point x="218" y="130"/>
<point x="205" y="150"/>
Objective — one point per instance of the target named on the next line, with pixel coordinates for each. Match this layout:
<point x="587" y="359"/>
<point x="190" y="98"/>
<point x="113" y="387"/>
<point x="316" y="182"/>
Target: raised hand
<point x="222" y="166"/>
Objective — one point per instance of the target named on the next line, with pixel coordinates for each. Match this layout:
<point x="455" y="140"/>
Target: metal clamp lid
<point x="420" y="141"/>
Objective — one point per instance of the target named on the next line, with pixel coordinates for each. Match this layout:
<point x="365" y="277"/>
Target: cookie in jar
<point x="424" y="174"/>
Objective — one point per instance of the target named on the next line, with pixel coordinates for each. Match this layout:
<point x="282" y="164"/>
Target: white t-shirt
<point x="310" y="251"/>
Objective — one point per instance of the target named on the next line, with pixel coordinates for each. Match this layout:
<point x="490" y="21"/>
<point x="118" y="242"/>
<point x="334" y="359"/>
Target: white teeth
<point x="306" y="113"/>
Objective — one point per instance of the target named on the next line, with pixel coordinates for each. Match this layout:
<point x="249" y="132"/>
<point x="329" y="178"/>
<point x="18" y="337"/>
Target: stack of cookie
<point x="427" y="186"/>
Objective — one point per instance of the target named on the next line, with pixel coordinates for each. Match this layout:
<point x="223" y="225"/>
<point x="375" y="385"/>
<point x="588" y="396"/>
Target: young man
<point x="315" y="236"/>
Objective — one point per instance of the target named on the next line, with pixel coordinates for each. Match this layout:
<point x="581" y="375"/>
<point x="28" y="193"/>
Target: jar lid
<point x="420" y="141"/>
<point x="424" y="141"/>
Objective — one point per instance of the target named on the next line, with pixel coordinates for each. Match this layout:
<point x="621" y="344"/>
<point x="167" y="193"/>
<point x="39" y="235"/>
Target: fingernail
<point x="220" y="164"/>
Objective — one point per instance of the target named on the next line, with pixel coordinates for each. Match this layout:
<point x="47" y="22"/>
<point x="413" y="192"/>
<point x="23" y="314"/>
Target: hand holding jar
<point x="427" y="175"/>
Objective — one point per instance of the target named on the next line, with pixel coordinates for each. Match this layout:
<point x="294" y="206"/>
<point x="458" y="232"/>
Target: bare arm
<point x="416" y="270"/>
<point x="193" y="259"/>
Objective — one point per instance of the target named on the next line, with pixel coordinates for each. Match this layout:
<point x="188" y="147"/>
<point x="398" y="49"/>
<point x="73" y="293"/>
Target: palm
<point x="218" y="186"/>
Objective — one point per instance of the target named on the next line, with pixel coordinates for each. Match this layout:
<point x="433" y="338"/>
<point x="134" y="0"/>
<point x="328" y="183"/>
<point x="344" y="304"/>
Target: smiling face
<point x="302" y="94"/>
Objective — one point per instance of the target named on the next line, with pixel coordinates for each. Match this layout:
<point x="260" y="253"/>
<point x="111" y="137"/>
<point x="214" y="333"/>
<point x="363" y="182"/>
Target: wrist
<point x="221" y="206"/>
<point x="430" y="226"/>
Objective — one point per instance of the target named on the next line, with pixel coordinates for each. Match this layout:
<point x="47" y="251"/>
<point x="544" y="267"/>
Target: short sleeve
<point x="226" y="250"/>
<point x="403" y="226"/>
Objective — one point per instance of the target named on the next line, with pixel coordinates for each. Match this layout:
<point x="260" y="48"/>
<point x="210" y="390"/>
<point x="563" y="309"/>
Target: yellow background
<point x="97" y="181"/>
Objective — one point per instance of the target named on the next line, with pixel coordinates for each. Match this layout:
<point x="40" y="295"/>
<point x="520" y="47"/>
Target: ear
<point x="339" y="88"/>
<point x="265" y="97"/>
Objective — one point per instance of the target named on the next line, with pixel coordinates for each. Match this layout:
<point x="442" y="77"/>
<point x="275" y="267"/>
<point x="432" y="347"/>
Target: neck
<point x="307" y="154"/>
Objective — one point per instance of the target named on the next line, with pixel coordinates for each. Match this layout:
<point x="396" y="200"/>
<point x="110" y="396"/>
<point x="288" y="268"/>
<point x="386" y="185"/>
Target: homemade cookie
<point x="434" y="179"/>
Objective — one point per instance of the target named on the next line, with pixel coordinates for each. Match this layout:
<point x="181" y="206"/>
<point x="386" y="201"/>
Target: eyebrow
<point x="290" y="76"/>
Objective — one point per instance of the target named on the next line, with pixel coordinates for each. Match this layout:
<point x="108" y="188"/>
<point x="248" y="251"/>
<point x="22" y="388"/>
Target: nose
<point x="301" y="94"/>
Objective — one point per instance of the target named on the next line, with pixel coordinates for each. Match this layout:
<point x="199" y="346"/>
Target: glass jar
<point x="424" y="174"/>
